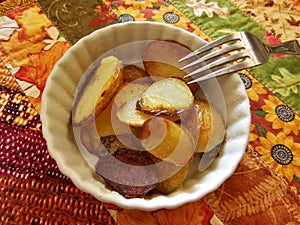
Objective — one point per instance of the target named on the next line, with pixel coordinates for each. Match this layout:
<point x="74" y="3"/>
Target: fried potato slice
<point x="97" y="91"/>
<point x="169" y="96"/>
<point x="126" y="100"/>
<point x="212" y="128"/>
<point x="130" y="115"/>
<point x="112" y="143"/>
<point x="133" y="178"/>
<point x="131" y="90"/>
<point x="109" y="144"/>
<point x="103" y="122"/>
<point x="160" y="58"/>
<point x="102" y="127"/>
<point x="90" y="139"/>
<point x="167" y="141"/>
<point x="132" y="73"/>
<point x="170" y="184"/>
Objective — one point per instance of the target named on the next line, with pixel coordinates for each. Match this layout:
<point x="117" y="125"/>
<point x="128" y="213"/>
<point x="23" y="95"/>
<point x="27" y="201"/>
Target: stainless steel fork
<point x="242" y="50"/>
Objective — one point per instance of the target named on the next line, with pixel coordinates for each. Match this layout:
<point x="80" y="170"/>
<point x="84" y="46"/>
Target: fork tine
<point x="213" y="44"/>
<point x="213" y="54"/>
<point x="221" y="72"/>
<point x="198" y="61"/>
<point x="219" y="62"/>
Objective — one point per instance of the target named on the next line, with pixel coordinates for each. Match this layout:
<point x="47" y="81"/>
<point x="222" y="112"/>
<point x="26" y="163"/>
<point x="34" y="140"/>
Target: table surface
<point x="34" y="35"/>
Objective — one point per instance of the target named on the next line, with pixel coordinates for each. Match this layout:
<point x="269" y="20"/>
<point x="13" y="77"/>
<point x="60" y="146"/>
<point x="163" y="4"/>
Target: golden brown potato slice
<point x="132" y="73"/>
<point x="170" y="184"/>
<point x="107" y="123"/>
<point x="133" y="178"/>
<point x="103" y="122"/>
<point x="160" y="59"/>
<point x="100" y="146"/>
<point x="126" y="100"/>
<point x="167" y="141"/>
<point x="212" y="129"/>
<point x="131" y="90"/>
<point x="169" y="96"/>
<point x="95" y="94"/>
<point x="112" y="143"/>
<point x="90" y="139"/>
<point x="130" y="115"/>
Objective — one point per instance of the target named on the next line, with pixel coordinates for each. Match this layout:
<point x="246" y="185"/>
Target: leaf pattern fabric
<point x="286" y="84"/>
<point x="7" y="27"/>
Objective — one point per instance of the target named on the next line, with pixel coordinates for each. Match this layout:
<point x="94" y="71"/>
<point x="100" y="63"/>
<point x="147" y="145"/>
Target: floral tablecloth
<point x="34" y="35"/>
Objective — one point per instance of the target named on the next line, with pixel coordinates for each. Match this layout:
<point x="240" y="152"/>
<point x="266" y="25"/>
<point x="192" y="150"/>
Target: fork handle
<point x="289" y="47"/>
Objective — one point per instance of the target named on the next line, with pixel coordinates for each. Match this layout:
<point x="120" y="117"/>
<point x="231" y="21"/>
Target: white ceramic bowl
<point x="57" y="103"/>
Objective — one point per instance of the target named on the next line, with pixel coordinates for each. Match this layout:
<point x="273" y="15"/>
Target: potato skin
<point x="109" y="92"/>
<point x="160" y="111"/>
<point x="132" y="73"/>
<point x="126" y="178"/>
<point x="210" y="130"/>
<point x="160" y="59"/>
<point x="90" y="139"/>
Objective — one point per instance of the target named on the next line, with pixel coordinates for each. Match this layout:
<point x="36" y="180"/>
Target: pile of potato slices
<point x="149" y="123"/>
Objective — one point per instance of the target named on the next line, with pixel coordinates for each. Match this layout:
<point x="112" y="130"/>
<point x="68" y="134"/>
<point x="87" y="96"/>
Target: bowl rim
<point x="158" y="202"/>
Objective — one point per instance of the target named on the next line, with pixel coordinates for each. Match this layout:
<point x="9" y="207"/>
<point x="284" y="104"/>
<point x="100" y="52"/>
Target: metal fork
<point x="243" y="50"/>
